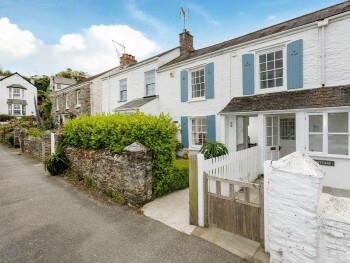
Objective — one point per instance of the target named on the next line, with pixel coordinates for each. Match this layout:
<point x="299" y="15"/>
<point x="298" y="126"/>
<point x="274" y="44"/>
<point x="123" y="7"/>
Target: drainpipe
<point x="322" y="24"/>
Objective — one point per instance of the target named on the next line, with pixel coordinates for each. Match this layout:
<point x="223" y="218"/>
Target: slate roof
<point x="66" y="81"/>
<point x="135" y="104"/>
<point x="287" y="25"/>
<point x="336" y="96"/>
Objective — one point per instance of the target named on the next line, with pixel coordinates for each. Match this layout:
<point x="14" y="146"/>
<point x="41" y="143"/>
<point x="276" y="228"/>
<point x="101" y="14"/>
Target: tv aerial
<point x="116" y="45"/>
<point x="183" y="16"/>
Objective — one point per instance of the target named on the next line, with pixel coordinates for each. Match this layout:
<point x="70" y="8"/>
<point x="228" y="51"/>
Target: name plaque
<point x="326" y="163"/>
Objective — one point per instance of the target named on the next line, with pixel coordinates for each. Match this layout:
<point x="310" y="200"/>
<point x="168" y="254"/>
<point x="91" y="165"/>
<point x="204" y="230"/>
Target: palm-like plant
<point x="56" y="163"/>
<point x="213" y="149"/>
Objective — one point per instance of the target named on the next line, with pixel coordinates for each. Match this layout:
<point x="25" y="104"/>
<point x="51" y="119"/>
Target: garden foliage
<point x="213" y="149"/>
<point x="115" y="132"/>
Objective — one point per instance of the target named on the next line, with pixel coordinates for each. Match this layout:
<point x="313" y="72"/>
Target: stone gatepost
<point x="138" y="175"/>
<point x="293" y="193"/>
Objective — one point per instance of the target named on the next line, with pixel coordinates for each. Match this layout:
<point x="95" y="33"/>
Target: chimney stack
<point x="186" y="42"/>
<point x="127" y="60"/>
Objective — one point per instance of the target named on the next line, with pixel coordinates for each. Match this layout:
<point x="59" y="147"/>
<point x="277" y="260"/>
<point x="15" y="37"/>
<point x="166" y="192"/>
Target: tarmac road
<point x="46" y="219"/>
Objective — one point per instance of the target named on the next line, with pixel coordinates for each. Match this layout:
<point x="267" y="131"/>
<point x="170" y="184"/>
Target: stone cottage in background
<point x="77" y="99"/>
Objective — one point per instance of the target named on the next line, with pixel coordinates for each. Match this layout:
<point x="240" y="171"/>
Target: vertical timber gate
<point x="239" y="212"/>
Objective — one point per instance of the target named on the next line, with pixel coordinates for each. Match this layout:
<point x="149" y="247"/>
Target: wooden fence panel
<point x="193" y="190"/>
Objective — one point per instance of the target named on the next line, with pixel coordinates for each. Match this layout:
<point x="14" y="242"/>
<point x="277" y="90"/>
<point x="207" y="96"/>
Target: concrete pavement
<point x="46" y="219"/>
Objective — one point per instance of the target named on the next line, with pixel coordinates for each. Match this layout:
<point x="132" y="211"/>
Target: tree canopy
<point x="42" y="83"/>
<point x="5" y="72"/>
<point x="72" y="74"/>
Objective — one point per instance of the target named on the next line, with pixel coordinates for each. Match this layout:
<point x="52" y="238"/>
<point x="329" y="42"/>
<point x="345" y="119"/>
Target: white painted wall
<point x="29" y="93"/>
<point x="228" y="71"/>
<point x="135" y="76"/>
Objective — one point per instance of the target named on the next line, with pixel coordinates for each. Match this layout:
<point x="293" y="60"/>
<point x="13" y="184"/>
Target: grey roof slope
<point x="287" y="25"/>
<point x="135" y="104"/>
<point x="62" y="80"/>
<point x="336" y="96"/>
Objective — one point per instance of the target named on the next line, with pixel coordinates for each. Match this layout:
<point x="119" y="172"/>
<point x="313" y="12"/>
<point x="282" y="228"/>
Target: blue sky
<point x="37" y="28"/>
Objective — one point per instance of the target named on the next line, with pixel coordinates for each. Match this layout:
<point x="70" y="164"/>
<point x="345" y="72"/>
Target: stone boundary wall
<point x="303" y="224"/>
<point x="129" y="173"/>
<point x="37" y="147"/>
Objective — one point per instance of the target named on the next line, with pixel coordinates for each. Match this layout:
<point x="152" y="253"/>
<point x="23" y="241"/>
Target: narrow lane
<point x="45" y="219"/>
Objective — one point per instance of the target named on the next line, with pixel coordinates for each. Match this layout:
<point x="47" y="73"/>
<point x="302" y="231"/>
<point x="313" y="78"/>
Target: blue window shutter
<point x="184" y="86"/>
<point x="295" y="64"/>
<point x="211" y="129"/>
<point x="184" y="132"/>
<point x="248" y="74"/>
<point x="209" y="80"/>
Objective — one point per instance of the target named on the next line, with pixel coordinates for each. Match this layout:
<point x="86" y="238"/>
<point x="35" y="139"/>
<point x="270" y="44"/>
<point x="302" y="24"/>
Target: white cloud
<point x="14" y="42"/>
<point x="90" y="50"/>
<point x="272" y="17"/>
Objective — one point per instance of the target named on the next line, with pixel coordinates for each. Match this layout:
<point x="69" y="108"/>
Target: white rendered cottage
<point x="135" y="85"/>
<point x="18" y="96"/>
<point x="284" y="88"/>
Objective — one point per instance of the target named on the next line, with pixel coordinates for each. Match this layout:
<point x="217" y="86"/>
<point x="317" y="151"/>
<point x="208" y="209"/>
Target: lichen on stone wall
<point x="129" y="173"/>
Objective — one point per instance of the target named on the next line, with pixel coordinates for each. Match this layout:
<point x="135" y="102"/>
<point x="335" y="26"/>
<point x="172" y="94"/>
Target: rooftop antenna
<point x="184" y="14"/>
<point x="116" y="44"/>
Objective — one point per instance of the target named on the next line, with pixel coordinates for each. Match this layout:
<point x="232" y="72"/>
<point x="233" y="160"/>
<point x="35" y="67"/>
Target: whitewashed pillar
<point x="52" y="143"/>
<point x="267" y="170"/>
<point x="200" y="160"/>
<point x="293" y="191"/>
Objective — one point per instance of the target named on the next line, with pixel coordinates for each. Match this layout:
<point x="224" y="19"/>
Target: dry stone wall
<point x="37" y="147"/>
<point x="129" y="173"/>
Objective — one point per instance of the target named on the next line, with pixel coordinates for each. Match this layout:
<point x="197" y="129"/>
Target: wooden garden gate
<point x="238" y="210"/>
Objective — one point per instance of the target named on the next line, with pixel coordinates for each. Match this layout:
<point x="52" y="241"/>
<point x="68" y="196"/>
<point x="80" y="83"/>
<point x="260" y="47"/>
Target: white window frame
<point x="191" y="139"/>
<point x="21" y="93"/>
<point x="325" y="134"/>
<point x="282" y="47"/>
<point x="146" y="84"/>
<point x="190" y="90"/>
<point x="66" y="99"/>
<point x="123" y="87"/>
<point x="77" y="93"/>
<point x="11" y="110"/>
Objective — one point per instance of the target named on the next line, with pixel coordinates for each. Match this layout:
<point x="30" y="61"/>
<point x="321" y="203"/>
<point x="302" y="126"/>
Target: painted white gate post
<point x="267" y="169"/>
<point x="52" y="143"/>
<point x="200" y="165"/>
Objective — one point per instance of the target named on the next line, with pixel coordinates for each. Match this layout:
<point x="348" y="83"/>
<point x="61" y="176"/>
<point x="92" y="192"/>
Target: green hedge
<point x="35" y="132"/>
<point x="4" y="117"/>
<point x="115" y="132"/>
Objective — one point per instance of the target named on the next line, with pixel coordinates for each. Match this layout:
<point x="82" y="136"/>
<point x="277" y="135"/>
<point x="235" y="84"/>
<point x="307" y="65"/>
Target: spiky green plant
<point x="213" y="149"/>
<point x="56" y="163"/>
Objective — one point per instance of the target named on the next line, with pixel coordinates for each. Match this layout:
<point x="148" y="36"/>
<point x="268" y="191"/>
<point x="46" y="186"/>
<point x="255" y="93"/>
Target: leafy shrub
<point x="213" y="149"/>
<point x="35" y="132"/>
<point x="56" y="163"/>
<point x="180" y="174"/>
<point x="9" y="138"/>
<point x="4" y="117"/>
<point x="115" y="132"/>
<point x="24" y="122"/>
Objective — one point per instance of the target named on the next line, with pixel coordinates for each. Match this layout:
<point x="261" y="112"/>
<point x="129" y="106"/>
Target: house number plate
<point x="326" y="163"/>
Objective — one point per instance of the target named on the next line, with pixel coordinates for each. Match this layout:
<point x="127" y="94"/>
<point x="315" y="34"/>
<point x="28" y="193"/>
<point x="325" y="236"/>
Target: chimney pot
<point x="127" y="60"/>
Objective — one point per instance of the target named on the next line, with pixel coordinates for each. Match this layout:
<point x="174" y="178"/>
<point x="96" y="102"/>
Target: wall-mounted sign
<point x="324" y="162"/>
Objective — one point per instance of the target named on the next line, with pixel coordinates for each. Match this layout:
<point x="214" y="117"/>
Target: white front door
<point x="287" y="135"/>
<point x="272" y="138"/>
